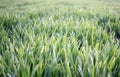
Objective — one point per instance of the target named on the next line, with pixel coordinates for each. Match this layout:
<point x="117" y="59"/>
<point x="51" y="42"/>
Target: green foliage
<point x="59" y="38"/>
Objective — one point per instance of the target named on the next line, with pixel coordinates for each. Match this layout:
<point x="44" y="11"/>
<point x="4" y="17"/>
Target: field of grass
<point x="59" y="38"/>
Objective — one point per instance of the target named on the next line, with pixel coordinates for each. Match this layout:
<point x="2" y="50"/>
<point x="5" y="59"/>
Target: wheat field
<point x="59" y="38"/>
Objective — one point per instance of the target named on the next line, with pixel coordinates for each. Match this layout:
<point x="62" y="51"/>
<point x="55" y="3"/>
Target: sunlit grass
<point x="59" y="39"/>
